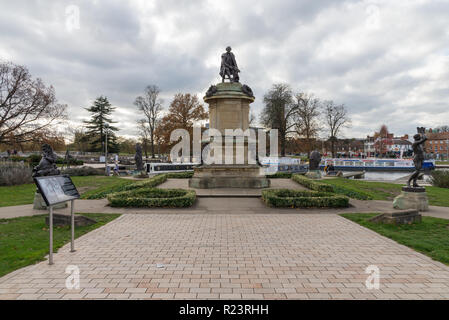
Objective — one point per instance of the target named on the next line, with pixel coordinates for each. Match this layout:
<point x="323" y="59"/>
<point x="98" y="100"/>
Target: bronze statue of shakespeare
<point x="229" y="66"/>
<point x="418" y="156"/>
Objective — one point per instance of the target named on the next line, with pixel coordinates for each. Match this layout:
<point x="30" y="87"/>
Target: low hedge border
<point x="320" y="186"/>
<point x="148" y="183"/>
<point x="312" y="184"/>
<point x="180" y="175"/>
<point x="303" y="199"/>
<point x="279" y="175"/>
<point x="153" y="197"/>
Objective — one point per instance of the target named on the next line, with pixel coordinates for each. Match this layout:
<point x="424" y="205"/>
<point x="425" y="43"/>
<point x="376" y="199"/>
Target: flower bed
<point x="303" y="199"/>
<point x="153" y="197"/>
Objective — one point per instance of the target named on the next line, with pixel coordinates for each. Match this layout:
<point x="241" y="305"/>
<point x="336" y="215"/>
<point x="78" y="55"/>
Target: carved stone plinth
<point x="398" y="217"/>
<point x="228" y="176"/>
<point x="39" y="203"/>
<point x="412" y="198"/>
<point x="229" y="109"/>
<point x="313" y="174"/>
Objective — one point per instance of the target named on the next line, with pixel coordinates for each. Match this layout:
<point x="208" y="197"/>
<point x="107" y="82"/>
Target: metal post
<point x="50" y="222"/>
<point x="72" y="218"/>
<point x="106" y="153"/>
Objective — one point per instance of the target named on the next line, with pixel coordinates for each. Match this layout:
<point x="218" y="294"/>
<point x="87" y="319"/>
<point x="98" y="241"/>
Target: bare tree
<point x="306" y="118"/>
<point x="151" y="105"/>
<point x="28" y="108"/>
<point x="336" y="117"/>
<point x="144" y="134"/>
<point x="279" y="111"/>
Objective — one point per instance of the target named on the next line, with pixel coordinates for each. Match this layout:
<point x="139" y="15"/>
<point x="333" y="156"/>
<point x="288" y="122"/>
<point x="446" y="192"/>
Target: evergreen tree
<point x="101" y="111"/>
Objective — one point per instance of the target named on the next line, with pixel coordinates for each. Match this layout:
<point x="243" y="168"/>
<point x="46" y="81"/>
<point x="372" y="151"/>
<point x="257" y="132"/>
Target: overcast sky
<point x="387" y="61"/>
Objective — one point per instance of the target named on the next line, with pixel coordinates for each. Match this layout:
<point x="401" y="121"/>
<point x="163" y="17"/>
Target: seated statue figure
<point x="47" y="165"/>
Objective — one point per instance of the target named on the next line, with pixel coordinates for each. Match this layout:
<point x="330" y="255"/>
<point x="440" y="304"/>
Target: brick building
<point x="437" y="145"/>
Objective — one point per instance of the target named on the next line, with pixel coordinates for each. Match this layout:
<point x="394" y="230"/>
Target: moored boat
<point x="375" y="164"/>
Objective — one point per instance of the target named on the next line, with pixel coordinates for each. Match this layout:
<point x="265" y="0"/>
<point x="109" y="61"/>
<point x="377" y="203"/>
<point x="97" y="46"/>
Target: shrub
<point x="280" y="175"/>
<point x="72" y="161"/>
<point x="312" y="184"/>
<point x="148" y="183"/>
<point x="83" y="171"/>
<point x="303" y="199"/>
<point x="153" y="197"/>
<point x="180" y="175"/>
<point x="439" y="178"/>
<point x="14" y="174"/>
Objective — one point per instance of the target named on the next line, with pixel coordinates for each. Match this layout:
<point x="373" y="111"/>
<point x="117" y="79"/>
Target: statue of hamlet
<point x="418" y="156"/>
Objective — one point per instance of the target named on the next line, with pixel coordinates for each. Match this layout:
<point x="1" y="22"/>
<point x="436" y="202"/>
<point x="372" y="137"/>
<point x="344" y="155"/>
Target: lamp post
<point x="106" y="126"/>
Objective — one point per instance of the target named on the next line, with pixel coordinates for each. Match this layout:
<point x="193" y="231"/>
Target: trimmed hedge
<point x="83" y="171"/>
<point x="180" y="175"/>
<point x="439" y="178"/>
<point x="279" y="175"/>
<point x="153" y="197"/>
<point x="303" y="199"/>
<point x="324" y="187"/>
<point x="312" y="184"/>
<point x="148" y="183"/>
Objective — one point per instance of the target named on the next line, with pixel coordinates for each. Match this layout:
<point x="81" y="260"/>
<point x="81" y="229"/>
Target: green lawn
<point x="24" y="240"/>
<point x="388" y="191"/>
<point x="24" y="194"/>
<point x="430" y="237"/>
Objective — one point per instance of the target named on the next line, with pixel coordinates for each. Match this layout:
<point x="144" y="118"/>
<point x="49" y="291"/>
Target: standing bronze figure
<point x="229" y="66"/>
<point x="418" y="156"/>
<point x="138" y="157"/>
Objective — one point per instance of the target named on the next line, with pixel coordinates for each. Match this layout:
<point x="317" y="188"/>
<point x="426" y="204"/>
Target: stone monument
<point x="414" y="196"/>
<point x="138" y="157"/>
<point x="229" y="109"/>
<point x="314" y="165"/>
<point x="46" y="167"/>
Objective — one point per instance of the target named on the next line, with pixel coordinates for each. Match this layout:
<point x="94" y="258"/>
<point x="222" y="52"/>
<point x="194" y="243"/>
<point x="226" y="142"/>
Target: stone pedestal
<point x="313" y="174"/>
<point x="39" y="203"/>
<point x="398" y="217"/>
<point x="229" y="109"/>
<point x="228" y="176"/>
<point x="412" y="198"/>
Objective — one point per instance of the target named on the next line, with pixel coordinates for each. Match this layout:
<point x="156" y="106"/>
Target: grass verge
<point x="387" y="191"/>
<point x="24" y="194"/>
<point x="430" y="237"/>
<point x="24" y="240"/>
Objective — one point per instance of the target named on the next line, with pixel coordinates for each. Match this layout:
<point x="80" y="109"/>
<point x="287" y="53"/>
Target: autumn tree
<point x="183" y="113"/>
<point x="126" y="145"/>
<point x="101" y="111"/>
<point x="28" y="108"/>
<point x="336" y="118"/>
<point x="306" y="118"/>
<point x="382" y="140"/>
<point x="151" y="106"/>
<point x="144" y="134"/>
<point x="279" y="111"/>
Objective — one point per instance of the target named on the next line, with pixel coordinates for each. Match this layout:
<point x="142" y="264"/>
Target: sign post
<point x="54" y="190"/>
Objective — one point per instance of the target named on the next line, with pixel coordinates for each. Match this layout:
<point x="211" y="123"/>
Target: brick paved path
<point x="227" y="256"/>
